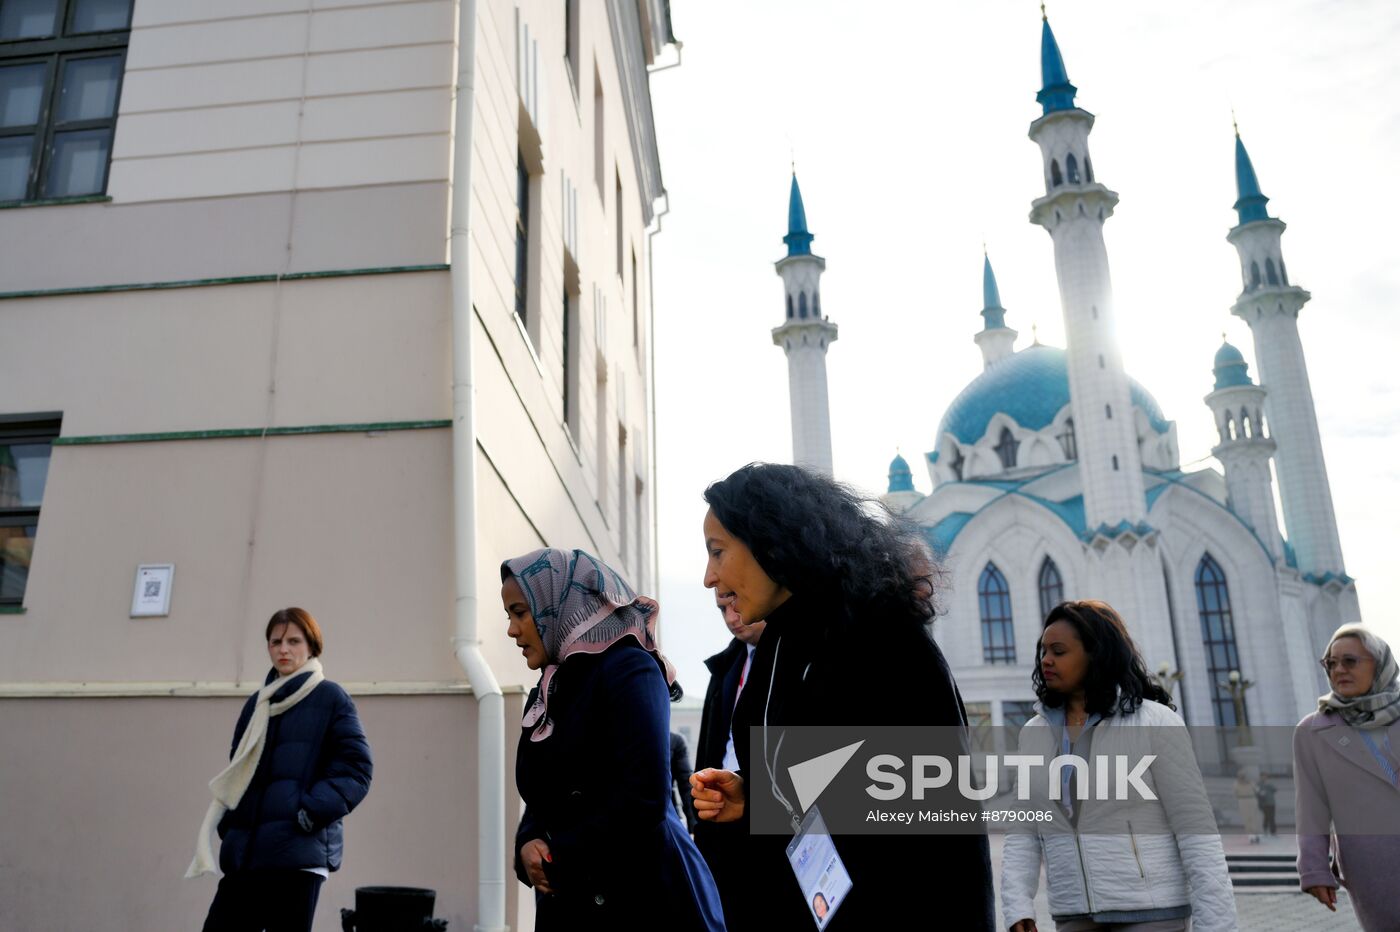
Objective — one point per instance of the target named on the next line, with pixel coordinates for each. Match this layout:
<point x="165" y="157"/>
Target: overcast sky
<point x="908" y="125"/>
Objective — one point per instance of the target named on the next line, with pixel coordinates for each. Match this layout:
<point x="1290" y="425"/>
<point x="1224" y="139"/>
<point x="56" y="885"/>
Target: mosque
<point x="1056" y="475"/>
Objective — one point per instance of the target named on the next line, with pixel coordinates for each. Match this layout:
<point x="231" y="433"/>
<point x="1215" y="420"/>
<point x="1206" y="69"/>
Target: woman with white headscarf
<point x="600" y="840"/>
<point x="1345" y="770"/>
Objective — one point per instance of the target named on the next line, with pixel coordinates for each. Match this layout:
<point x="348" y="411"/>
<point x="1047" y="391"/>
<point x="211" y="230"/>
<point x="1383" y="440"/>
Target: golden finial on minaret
<point x="1234" y="122"/>
<point x="1042" y="10"/>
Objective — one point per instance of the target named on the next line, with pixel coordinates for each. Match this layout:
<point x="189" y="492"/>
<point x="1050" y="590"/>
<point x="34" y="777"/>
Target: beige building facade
<point x="227" y="345"/>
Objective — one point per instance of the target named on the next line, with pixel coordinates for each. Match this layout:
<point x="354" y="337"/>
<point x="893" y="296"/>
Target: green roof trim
<point x="232" y="280"/>
<point x="58" y="201"/>
<point x="11" y="609"/>
<point x="245" y="432"/>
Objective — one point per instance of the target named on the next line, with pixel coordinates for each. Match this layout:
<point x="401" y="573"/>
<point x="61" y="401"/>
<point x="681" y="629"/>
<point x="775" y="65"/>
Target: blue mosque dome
<point x="1230" y="368"/>
<point x="901" y="479"/>
<point x="1030" y="387"/>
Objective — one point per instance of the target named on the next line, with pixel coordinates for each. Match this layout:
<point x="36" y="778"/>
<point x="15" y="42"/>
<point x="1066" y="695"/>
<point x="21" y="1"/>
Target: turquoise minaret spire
<point x="1056" y="93"/>
<point x="799" y="241"/>
<point x="1250" y="205"/>
<point x="992" y="311"/>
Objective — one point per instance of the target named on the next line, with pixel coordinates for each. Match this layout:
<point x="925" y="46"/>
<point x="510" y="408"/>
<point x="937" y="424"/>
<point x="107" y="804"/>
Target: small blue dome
<point x="1030" y="387"/>
<point x="901" y="479"/>
<point x="1230" y="368"/>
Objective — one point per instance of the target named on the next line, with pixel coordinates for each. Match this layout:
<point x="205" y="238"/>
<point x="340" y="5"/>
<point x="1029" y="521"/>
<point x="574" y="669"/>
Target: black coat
<point x="315" y="761"/>
<point x="680" y="777"/>
<point x="598" y="791"/>
<point x="880" y="672"/>
<point x="723" y="844"/>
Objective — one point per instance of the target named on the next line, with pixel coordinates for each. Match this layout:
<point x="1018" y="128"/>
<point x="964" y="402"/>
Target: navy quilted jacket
<point x="315" y="768"/>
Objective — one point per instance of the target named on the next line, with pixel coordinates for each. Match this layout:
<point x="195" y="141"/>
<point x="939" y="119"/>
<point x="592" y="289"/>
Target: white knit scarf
<point x="231" y="783"/>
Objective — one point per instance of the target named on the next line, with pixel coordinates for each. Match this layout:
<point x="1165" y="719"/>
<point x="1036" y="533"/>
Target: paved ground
<point x="1268" y="911"/>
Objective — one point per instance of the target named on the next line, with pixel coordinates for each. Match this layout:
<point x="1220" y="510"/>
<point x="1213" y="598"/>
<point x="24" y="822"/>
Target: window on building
<point x="25" y="445"/>
<point x="622" y="473"/>
<point x="1015" y="713"/>
<point x="522" y="236"/>
<point x="980" y="736"/>
<point x="1115" y="462"/>
<point x="1088" y="170"/>
<point x="1283" y="271"/>
<point x="601" y="433"/>
<point x="636" y="308"/>
<point x="1055" y="179"/>
<point x="1052" y="587"/>
<point x="617" y="213"/>
<point x="1006" y="448"/>
<point x="1254" y="280"/>
<point x="567" y="343"/>
<point x="61" y="65"/>
<point x="802" y="304"/>
<point x="789" y="306"/>
<point x="599" y="153"/>
<point x="638" y="511"/>
<point x="1108" y="412"/>
<point x="1072" y="169"/>
<point x="571" y="34"/>
<point x="1218" y="633"/>
<point x="994" y="606"/>
<point x="1067" y="441"/>
<point x="956" y="463"/>
<point x="1270" y="273"/>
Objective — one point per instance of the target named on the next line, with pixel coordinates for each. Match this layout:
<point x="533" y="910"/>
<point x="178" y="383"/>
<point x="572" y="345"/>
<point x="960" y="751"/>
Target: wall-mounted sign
<point x="151" y="597"/>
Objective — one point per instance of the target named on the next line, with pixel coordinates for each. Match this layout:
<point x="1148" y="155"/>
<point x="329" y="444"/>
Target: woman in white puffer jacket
<point x="1143" y="865"/>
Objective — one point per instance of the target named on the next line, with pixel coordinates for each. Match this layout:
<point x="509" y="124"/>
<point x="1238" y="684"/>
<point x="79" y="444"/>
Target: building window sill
<point x="12" y="609"/>
<point x="58" y="201"/>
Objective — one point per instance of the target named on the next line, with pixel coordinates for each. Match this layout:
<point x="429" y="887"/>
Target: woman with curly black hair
<point x="1112" y="864"/>
<point x="847" y="593"/>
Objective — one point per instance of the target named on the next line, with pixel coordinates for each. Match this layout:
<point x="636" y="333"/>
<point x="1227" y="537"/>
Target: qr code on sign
<point x="152" y="588"/>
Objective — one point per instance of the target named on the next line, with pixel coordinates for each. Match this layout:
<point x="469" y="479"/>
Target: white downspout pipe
<point x="466" y="641"/>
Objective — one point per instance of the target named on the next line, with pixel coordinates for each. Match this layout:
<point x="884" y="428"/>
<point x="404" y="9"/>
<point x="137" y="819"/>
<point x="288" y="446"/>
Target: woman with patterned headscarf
<point x="600" y="841"/>
<point x="1345" y="769"/>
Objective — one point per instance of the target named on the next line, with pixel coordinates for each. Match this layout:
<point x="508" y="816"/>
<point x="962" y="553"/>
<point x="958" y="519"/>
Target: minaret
<point x="1073" y="211"/>
<point x="995" y="338"/>
<point x="1270" y="305"/>
<point x="901" y="495"/>
<point x="805" y="336"/>
<point x="1245" y="447"/>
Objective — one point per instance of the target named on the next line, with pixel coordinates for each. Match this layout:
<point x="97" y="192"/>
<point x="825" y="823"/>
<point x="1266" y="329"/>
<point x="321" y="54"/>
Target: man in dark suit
<point x="722" y="843"/>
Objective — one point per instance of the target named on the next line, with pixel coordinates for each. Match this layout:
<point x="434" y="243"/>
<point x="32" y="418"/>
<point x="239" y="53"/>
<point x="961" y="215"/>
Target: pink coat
<point x="1343" y="789"/>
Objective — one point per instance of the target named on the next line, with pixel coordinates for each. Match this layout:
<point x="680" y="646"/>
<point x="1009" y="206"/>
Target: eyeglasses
<point x="1347" y="662"/>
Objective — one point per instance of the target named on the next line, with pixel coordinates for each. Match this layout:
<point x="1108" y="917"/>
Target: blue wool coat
<point x="315" y="768"/>
<point x="598" y="791"/>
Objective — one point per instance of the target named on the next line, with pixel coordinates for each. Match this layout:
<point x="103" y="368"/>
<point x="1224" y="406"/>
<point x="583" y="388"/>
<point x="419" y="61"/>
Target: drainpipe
<point x="466" y="641"/>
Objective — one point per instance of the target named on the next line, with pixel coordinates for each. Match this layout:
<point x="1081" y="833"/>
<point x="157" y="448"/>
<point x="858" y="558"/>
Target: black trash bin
<point x="392" y="909"/>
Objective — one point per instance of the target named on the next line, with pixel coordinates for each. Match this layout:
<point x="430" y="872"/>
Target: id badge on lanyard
<point x="818" y="868"/>
<point x="820" y="872"/>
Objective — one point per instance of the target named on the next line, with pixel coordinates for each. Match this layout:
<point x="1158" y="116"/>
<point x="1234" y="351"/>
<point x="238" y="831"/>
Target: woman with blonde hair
<point x="1345" y="775"/>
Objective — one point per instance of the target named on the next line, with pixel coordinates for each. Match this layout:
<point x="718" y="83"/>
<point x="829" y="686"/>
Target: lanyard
<point x="770" y="763"/>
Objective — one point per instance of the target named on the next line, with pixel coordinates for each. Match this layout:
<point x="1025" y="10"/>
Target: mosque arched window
<point x="1282" y="271"/>
<point x="1246" y="428"/>
<point x="1067" y="441"/>
<point x="1115" y="462"/>
<point x="802" y="304"/>
<point x="1055" y="179"/>
<point x="817" y="304"/>
<point x="789" y="306"/>
<point x="1254" y="279"/>
<point x="1006" y="447"/>
<point x="1052" y="587"/>
<point x="1229" y="432"/>
<point x="957" y="462"/>
<point x="1218" y="633"/>
<point x="1072" y="168"/>
<point x="1270" y="272"/>
<point x="1088" y="170"/>
<point x="994" y="607"/>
